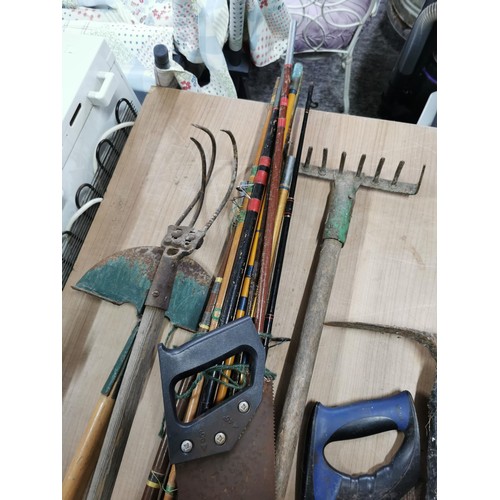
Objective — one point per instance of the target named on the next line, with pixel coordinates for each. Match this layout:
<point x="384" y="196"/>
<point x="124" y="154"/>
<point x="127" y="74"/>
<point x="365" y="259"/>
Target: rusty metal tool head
<point x="344" y="186"/>
<point x="346" y="183"/>
<point x="127" y="275"/>
<point x="179" y="242"/>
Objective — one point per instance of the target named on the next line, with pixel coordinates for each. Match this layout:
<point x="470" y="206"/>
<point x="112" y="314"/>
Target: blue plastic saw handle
<point x="328" y="424"/>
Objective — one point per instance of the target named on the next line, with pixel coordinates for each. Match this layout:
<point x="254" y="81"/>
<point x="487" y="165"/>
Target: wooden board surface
<point x="386" y="274"/>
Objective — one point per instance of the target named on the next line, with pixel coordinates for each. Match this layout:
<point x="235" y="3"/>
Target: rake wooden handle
<point x="135" y="378"/>
<point x="80" y="469"/>
<point x="298" y="386"/>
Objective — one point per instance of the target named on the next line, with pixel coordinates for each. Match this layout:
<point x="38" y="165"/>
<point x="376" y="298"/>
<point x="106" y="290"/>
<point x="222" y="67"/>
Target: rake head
<point x="358" y="179"/>
<point x="345" y="184"/>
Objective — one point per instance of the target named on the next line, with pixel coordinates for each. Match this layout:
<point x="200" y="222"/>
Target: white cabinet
<point x="91" y="87"/>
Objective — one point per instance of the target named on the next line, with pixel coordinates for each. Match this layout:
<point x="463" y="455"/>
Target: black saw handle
<point x="217" y="430"/>
<point x="329" y="424"/>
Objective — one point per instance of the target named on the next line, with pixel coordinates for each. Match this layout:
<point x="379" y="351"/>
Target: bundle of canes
<point x="261" y="203"/>
<point x="161" y="482"/>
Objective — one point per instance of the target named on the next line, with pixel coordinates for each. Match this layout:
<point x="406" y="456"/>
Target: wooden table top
<point x="386" y="274"/>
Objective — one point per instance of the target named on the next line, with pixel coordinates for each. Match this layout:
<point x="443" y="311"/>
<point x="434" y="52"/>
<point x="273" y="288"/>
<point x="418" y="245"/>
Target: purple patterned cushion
<point x="327" y="24"/>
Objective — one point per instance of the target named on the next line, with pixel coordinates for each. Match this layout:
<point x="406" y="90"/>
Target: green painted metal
<point x="345" y="184"/>
<point x="120" y="364"/>
<point x="341" y="205"/>
<point x="189" y="295"/>
<point x="126" y="277"/>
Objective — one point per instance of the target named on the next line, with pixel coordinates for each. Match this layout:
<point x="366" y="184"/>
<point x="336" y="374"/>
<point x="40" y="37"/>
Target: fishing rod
<point x="273" y="294"/>
<point x="272" y="200"/>
<point x="244" y="245"/>
<point x="246" y="305"/>
<point x="242" y="209"/>
<point x="247" y="302"/>
<point x="295" y="87"/>
<point x="251" y="215"/>
<point x="217" y="391"/>
<point x="293" y="95"/>
<point x="250" y="220"/>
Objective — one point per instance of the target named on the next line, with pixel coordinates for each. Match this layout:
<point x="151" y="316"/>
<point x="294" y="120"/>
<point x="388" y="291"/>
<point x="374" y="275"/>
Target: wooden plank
<point x="386" y="275"/>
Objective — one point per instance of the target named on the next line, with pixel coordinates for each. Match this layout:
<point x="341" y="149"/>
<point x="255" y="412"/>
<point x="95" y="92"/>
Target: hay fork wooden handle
<point x="138" y="369"/>
<point x="179" y="242"/>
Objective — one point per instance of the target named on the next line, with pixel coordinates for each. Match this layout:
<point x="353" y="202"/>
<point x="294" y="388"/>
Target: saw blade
<point x="246" y="472"/>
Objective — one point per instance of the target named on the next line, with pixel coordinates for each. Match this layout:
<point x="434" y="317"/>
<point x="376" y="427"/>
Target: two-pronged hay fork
<point x="344" y="186"/>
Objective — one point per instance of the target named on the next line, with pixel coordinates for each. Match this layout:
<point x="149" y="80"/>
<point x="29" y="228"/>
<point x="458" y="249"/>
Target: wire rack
<point x="89" y="195"/>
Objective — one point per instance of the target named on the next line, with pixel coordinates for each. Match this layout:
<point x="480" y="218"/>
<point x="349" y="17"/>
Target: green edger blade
<point x="126" y="276"/>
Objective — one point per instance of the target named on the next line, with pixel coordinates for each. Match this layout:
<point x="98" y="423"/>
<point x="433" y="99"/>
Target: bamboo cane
<point x="237" y="270"/>
<point x="265" y="271"/>
<point x="286" y="223"/>
<point x="219" y="291"/>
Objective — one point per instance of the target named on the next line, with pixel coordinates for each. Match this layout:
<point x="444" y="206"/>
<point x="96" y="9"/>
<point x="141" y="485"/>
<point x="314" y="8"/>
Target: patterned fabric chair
<point x="331" y="26"/>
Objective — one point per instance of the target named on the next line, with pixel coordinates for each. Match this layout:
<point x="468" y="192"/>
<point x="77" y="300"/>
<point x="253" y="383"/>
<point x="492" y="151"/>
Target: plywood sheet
<point x="386" y="274"/>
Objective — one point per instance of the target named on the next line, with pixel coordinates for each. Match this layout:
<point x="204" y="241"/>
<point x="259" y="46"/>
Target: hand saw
<point x="321" y="481"/>
<point x="228" y="451"/>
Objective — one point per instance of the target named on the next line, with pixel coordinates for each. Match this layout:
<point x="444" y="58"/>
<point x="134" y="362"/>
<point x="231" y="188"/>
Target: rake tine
<point x="398" y="172"/>
<point x="342" y="161"/>
<point x="360" y="166"/>
<point x="307" y="163"/>
<point x="379" y="169"/>
<point x="420" y="180"/>
<point x="322" y="169"/>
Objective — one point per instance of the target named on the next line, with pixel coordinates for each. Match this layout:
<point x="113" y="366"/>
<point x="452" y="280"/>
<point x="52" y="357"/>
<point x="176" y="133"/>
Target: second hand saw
<point x="228" y="451"/>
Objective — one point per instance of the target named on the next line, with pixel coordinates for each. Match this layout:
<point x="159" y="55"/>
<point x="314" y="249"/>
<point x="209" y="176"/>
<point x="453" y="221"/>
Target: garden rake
<point x="345" y="184"/>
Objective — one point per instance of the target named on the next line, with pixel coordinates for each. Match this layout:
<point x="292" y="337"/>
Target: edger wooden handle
<point x="134" y="380"/>
<point x="80" y="469"/>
